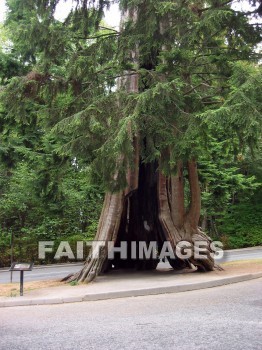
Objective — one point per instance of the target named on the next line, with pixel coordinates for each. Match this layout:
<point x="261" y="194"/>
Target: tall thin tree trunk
<point x="177" y="196"/>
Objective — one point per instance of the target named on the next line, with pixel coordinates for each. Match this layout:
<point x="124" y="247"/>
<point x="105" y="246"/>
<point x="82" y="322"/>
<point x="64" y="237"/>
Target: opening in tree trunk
<point x="150" y="211"/>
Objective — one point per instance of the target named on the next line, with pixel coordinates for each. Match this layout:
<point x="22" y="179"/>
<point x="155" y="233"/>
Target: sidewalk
<point x="131" y="284"/>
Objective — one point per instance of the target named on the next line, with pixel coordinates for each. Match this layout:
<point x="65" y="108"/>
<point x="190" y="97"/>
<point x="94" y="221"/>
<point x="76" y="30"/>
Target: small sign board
<point x="21" y="267"/>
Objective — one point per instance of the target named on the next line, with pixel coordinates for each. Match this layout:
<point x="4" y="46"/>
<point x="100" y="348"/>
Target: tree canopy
<point x="68" y="105"/>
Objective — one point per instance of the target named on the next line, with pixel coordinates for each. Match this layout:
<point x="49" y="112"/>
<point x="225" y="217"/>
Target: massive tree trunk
<point x="150" y="209"/>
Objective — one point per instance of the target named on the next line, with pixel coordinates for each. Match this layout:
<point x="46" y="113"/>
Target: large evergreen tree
<point x="140" y="105"/>
<point x="45" y="195"/>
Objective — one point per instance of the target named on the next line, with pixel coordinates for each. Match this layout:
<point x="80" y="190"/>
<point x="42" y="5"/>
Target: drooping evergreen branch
<point x="97" y="36"/>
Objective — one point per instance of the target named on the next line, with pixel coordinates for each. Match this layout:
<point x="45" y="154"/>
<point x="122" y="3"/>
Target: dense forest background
<point x="51" y="188"/>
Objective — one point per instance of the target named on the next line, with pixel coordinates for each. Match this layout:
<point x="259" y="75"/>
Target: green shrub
<point x="242" y="226"/>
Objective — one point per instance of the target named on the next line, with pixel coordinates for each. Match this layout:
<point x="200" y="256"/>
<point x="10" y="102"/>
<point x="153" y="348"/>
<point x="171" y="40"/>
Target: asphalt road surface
<point x="56" y="272"/>
<point x="228" y="317"/>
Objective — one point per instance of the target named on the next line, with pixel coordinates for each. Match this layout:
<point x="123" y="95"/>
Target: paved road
<point x="227" y="317"/>
<point x="55" y="271"/>
<point x="43" y="273"/>
<point x="242" y="254"/>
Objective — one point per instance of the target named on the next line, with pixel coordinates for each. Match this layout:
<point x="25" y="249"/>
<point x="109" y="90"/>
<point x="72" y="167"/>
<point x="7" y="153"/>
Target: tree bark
<point x="177" y="196"/>
<point x="107" y="231"/>
<point x="195" y="202"/>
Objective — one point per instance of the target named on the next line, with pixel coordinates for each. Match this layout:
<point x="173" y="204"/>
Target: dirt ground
<point x="229" y="268"/>
<point x="13" y="289"/>
<point x="243" y="266"/>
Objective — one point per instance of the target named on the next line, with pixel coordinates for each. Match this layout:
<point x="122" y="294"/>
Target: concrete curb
<point x="132" y="292"/>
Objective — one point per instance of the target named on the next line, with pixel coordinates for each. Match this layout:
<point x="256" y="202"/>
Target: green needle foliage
<point x="63" y="117"/>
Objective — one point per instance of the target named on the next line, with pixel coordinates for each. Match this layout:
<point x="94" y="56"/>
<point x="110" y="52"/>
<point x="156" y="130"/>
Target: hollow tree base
<point x="151" y="212"/>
